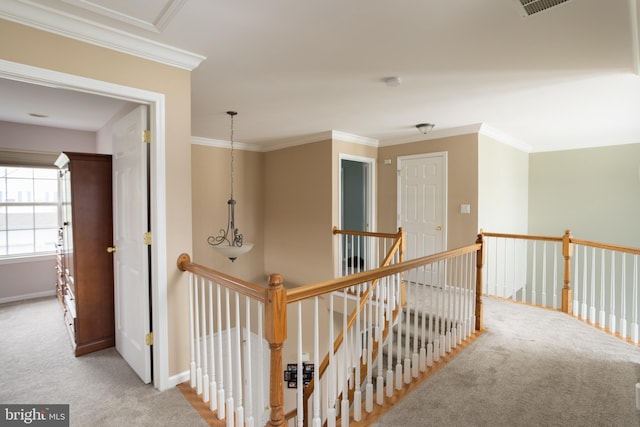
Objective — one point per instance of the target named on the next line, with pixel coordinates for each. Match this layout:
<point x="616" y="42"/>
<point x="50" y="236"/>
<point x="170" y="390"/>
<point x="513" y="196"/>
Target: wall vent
<point x="531" y="7"/>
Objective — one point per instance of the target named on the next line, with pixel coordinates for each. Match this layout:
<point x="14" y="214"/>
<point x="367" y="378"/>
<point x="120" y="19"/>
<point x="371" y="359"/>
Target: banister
<point x="336" y="230"/>
<point x="245" y="288"/>
<point x="606" y="246"/>
<point x="521" y="236"/>
<point x="309" y="291"/>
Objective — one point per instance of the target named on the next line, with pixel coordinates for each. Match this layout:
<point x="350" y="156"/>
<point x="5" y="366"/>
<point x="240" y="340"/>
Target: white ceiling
<point x="562" y="78"/>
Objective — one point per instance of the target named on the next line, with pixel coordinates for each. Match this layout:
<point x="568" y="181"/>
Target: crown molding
<point x="503" y="138"/>
<point x="316" y="137"/>
<point x="219" y="143"/>
<point x="52" y="21"/>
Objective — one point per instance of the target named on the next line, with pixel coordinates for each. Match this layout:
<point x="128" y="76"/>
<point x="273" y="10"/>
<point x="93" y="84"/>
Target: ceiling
<point x="563" y="78"/>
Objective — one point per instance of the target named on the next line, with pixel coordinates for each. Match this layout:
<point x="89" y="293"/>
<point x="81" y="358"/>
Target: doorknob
<point x="438" y="228"/>
<point x="111" y="249"/>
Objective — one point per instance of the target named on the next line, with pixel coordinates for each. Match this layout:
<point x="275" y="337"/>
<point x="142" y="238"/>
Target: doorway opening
<point x="356" y="206"/>
<point x="156" y="103"/>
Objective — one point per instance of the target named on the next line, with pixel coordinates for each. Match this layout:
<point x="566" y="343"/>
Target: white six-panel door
<point x="422" y="207"/>
<point x="130" y="222"/>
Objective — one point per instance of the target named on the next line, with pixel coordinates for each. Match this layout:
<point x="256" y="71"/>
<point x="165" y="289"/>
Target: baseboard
<point x="174" y="380"/>
<point x="43" y="294"/>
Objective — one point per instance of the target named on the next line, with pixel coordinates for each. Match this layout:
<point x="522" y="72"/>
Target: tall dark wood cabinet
<point x="85" y="267"/>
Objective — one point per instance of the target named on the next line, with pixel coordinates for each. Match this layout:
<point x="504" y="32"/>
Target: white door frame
<point x="156" y="102"/>
<point x="444" y="155"/>
<point x="371" y="194"/>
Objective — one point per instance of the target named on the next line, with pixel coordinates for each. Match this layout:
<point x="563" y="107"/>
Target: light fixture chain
<point x="232" y="159"/>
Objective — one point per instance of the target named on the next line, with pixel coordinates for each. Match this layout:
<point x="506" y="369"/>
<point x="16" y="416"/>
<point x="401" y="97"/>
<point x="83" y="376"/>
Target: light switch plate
<point x="465" y="208"/>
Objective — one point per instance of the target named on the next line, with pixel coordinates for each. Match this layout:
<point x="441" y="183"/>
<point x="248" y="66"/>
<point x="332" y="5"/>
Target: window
<point x="28" y="210"/>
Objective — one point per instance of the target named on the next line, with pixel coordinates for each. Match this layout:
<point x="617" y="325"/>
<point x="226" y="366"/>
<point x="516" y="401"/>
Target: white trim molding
<point x="156" y="103"/>
<point x="52" y="21"/>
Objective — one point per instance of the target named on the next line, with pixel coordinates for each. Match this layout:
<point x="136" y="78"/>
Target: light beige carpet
<point x="37" y="367"/>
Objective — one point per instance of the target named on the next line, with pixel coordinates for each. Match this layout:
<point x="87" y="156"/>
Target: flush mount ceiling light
<point x="392" y="81"/>
<point x="425" y="127"/>
<point x="229" y="242"/>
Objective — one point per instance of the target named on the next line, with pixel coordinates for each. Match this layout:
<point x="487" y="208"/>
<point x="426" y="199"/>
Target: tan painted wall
<point x="25" y="45"/>
<point x="462" y="184"/>
<point x="299" y="212"/>
<point x="210" y="168"/>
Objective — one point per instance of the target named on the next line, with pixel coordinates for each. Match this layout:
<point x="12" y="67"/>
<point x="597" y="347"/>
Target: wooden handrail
<point x="336" y="230"/>
<point x="309" y="291"/>
<point x="521" y="236"/>
<point x="607" y="246"/>
<point x="245" y="288"/>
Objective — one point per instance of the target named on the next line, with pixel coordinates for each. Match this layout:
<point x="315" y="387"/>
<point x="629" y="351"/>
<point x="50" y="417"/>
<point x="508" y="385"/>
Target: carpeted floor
<point x="38" y="367"/>
<point x="532" y="367"/>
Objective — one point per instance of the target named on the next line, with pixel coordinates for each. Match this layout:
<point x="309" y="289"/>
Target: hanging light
<point x="229" y="242"/>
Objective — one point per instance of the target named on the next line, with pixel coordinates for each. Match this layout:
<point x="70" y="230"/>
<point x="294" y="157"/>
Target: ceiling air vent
<point x="531" y="7"/>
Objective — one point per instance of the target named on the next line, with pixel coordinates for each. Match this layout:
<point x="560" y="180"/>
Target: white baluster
<point x="317" y="417"/>
<point x="592" y="306"/>
<point x="205" y="356"/>
<point x="544" y="274"/>
<point x="623" y="298"/>
<point x="229" y="402"/>
<point x="300" y="370"/>
<point x="357" y="356"/>
<point x="248" y="358"/>
<point x="576" y="288"/>
<point x="634" y="321"/>
<point x="260" y="375"/>
<point x="612" y="285"/>
<point x="583" y="312"/>
<point x="344" y="409"/>
<point x="371" y="325"/>
<point x="380" y="327"/>
<point x="534" y="261"/>
<point x="331" y="410"/>
<point x="602" y="316"/>
<point x="555" y="275"/>
<point x="238" y="366"/>
<point x="197" y="338"/>
<point x="213" y="402"/>
<point x="220" y="368"/>
<point x="192" y="336"/>
<point x="390" y="298"/>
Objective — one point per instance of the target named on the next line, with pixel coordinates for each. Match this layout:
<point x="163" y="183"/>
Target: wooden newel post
<point x="479" y="265"/>
<point x="275" y="332"/>
<point x="567" y="253"/>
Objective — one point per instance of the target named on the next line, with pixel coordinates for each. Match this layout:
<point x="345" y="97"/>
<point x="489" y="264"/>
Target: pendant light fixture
<point x="229" y="242"/>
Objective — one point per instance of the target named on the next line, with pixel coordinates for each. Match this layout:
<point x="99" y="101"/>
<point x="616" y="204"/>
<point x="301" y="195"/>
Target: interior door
<point x="422" y="204"/>
<point x="131" y="261"/>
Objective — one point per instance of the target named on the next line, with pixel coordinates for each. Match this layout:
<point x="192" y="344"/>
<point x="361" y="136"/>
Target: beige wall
<point x="210" y="168"/>
<point x="503" y="187"/>
<point x="462" y="184"/>
<point x="44" y="50"/>
<point x="299" y="212"/>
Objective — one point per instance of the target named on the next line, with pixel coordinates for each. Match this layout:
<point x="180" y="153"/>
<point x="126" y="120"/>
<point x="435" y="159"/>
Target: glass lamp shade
<point x="233" y="252"/>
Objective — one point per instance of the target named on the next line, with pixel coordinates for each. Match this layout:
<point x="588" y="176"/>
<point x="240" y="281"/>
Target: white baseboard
<point x="174" y="380"/>
<point x="50" y="293"/>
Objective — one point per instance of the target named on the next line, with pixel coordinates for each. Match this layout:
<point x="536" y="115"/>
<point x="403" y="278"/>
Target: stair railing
<point x="238" y="336"/>
<point x="599" y="280"/>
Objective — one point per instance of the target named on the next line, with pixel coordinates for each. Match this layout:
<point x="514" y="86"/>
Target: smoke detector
<point x="531" y="7"/>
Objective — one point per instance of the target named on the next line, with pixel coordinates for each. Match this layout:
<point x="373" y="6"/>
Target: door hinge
<point x="148" y="339"/>
<point x="146" y="136"/>
<point x="147" y="238"/>
<point x="399" y="172"/>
